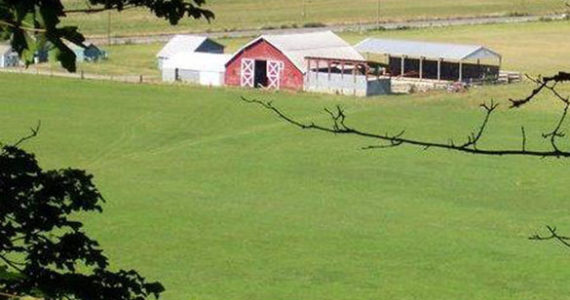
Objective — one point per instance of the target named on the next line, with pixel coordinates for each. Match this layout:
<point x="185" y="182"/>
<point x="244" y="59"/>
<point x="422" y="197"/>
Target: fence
<point x="509" y="77"/>
<point x="83" y="75"/>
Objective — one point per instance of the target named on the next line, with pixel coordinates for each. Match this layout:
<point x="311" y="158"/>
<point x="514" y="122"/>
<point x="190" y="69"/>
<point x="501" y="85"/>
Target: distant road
<point x="156" y="38"/>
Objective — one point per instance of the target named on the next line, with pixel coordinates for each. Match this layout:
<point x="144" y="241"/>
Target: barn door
<point x="247" y="72"/>
<point x="274" y="74"/>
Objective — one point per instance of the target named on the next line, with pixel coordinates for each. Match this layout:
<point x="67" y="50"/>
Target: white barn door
<point x="247" y="72"/>
<point x="274" y="74"/>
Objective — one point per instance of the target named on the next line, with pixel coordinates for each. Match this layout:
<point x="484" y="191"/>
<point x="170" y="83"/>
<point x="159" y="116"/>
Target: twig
<point x="34" y="132"/>
<point x="553" y="235"/>
<point x="543" y="83"/>
<point x="523" y="133"/>
<point x="25" y="28"/>
<point x="340" y="127"/>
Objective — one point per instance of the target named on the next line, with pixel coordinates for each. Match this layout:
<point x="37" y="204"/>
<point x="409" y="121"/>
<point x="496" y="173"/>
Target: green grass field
<point x="219" y="200"/>
<point x="248" y="14"/>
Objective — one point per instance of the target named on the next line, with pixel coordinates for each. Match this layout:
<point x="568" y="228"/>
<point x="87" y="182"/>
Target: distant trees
<point x="31" y="25"/>
<point x="44" y="251"/>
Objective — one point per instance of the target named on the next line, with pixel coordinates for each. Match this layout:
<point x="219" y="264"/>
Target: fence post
<point x="82" y="75"/>
<point x="140" y="79"/>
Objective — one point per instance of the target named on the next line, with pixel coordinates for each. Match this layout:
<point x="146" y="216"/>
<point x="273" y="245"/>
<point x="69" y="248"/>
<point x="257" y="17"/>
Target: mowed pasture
<point x="254" y="14"/>
<point x="218" y="199"/>
<point x="544" y="45"/>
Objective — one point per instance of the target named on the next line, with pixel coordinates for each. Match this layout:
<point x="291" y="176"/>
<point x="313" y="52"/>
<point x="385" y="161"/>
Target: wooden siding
<point x="290" y="77"/>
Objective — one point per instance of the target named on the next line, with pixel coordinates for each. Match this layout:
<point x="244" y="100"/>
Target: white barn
<point x="187" y="44"/>
<point x="8" y="57"/>
<point x="195" y="67"/>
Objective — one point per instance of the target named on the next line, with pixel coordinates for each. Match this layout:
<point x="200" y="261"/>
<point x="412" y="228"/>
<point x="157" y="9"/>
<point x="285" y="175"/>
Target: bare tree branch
<point x="34" y="132"/>
<point x="470" y="146"/>
<point x="553" y="236"/>
<point x="543" y="83"/>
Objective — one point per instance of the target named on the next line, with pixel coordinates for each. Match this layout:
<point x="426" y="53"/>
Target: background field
<point x="545" y="45"/>
<point x="242" y="14"/>
<point x="219" y="200"/>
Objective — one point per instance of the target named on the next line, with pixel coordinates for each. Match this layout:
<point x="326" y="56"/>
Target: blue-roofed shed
<point x="90" y="53"/>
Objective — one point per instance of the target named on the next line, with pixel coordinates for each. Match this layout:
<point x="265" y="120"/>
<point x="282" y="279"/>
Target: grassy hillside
<point x="219" y="200"/>
<point x="240" y="14"/>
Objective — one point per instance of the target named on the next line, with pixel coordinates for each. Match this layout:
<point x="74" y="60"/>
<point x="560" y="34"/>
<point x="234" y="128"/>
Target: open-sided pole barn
<point x="427" y="60"/>
<point x="344" y="77"/>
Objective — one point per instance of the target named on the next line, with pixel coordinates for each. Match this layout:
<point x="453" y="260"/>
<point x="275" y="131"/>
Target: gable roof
<point x="297" y="46"/>
<point x="199" y="61"/>
<point x="425" y="49"/>
<point x="179" y="43"/>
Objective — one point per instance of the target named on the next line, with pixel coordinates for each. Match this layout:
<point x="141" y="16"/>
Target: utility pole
<point x="304" y="10"/>
<point x="108" y="7"/>
<point x="377" y="14"/>
<point x="109" y="27"/>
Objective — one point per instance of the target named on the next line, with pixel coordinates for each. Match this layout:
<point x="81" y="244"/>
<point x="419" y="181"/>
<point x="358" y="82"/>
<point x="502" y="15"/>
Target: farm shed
<point x="90" y="53"/>
<point x="187" y="44"/>
<point x="428" y="60"/>
<point x="8" y="58"/>
<point x="196" y="67"/>
<point x="278" y="61"/>
<point x="345" y="77"/>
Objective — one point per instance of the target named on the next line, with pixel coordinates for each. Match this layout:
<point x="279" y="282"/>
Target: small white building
<point x="195" y="67"/>
<point x="8" y="57"/>
<point x="187" y="44"/>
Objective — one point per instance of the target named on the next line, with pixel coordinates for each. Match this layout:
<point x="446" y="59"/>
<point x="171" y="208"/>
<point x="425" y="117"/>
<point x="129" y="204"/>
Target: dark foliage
<point x="44" y="251"/>
<point x="34" y="25"/>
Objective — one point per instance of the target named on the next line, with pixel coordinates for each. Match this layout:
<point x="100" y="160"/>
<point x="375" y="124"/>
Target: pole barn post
<point x="421" y="67"/>
<point x="402" y="67"/>
<point x="460" y="70"/>
<point x="439" y="69"/>
<point x="308" y="69"/>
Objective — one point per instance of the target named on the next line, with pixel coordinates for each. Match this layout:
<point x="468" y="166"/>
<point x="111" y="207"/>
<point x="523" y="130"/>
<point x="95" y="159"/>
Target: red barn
<point x="278" y="61"/>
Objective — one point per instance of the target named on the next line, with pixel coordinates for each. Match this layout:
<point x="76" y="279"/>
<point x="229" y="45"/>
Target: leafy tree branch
<point x="35" y="25"/>
<point x="44" y="250"/>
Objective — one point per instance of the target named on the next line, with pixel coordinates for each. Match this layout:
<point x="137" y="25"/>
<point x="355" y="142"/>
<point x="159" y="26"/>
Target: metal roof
<point x="425" y="49"/>
<point x="297" y="46"/>
<point x="179" y="43"/>
<point x="199" y="61"/>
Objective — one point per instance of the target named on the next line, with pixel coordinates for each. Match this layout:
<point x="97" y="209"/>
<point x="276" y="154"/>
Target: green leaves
<point x="33" y="26"/>
<point x="43" y="249"/>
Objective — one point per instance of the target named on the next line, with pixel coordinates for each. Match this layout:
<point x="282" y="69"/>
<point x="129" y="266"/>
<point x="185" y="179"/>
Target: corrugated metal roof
<point x="209" y="62"/>
<point x="179" y="43"/>
<point x="297" y="46"/>
<point x="419" y="49"/>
